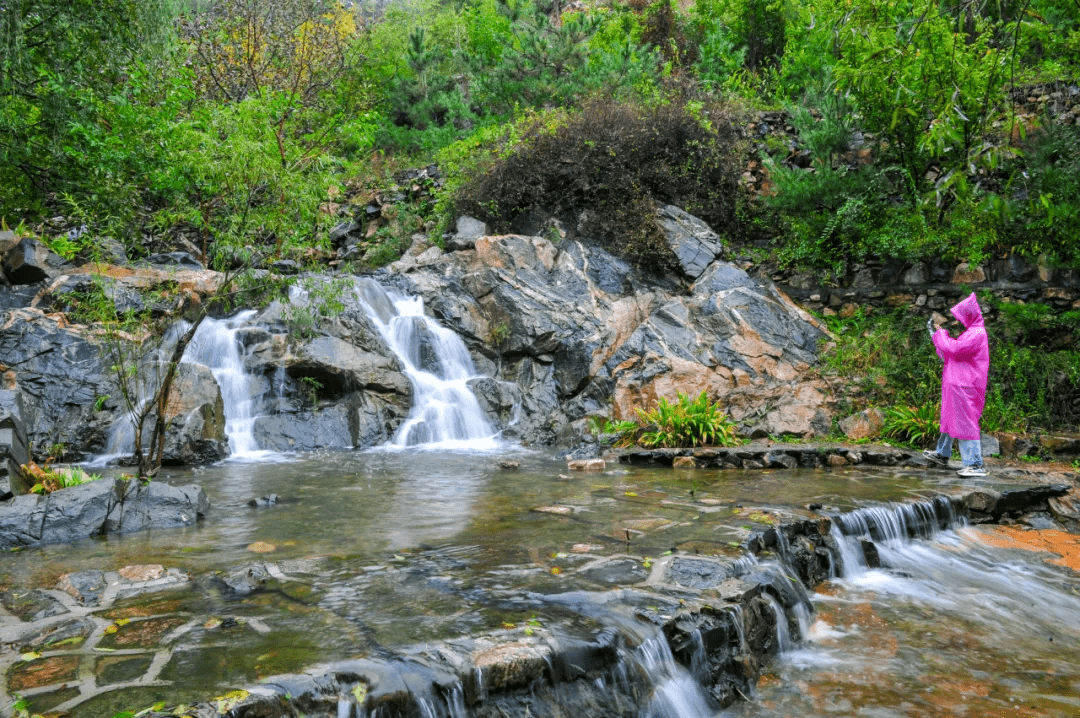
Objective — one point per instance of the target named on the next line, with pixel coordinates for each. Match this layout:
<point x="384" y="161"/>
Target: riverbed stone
<point x="86" y="587"/>
<point x="14" y="450"/>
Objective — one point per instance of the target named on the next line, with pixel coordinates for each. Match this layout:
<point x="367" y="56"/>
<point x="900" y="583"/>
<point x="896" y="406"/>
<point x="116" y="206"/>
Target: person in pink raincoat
<point x="963" y="387"/>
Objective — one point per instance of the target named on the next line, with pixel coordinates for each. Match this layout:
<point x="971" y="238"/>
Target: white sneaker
<point x="972" y="471"/>
<point x="935" y="458"/>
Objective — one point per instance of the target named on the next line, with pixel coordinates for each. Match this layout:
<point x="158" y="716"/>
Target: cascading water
<point x="978" y="629"/>
<point x="216" y="345"/>
<point x="445" y="413"/>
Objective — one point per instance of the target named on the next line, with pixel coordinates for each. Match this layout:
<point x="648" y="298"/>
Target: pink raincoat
<point x="963" y="380"/>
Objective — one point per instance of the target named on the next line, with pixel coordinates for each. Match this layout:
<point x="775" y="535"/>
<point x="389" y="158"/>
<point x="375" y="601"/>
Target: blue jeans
<point x="970" y="450"/>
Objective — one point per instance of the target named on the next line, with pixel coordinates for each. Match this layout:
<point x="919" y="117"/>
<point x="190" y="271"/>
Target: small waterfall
<point x="676" y="693"/>
<point x="888" y="525"/>
<point x="216" y="345"/>
<point x="783" y="633"/>
<point x="445" y="413"/>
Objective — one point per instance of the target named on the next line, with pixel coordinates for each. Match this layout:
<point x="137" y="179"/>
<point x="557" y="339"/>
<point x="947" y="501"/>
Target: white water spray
<point x="445" y="413"/>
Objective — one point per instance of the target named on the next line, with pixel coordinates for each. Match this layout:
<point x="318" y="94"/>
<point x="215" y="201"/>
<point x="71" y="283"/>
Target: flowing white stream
<point x="445" y="413"/>
<point x="977" y="628"/>
<point x="216" y="346"/>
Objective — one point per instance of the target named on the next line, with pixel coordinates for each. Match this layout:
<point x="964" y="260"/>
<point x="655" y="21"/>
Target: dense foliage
<point x="244" y="130"/>
<point x="1034" y="382"/>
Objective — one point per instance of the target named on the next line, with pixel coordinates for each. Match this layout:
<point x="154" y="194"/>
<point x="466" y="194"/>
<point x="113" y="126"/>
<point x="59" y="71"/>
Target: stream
<point x="427" y="538"/>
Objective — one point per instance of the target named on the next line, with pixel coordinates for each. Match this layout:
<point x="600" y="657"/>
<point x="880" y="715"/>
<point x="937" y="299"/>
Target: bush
<point x="605" y="168"/>
<point x="918" y="425"/>
<point x="48" y="479"/>
<point x="686" y="423"/>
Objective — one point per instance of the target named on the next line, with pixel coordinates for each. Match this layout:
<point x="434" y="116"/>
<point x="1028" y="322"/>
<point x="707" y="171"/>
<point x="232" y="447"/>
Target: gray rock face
<point x="469" y="229"/>
<point x="342" y="367"/>
<point x="694" y="242"/>
<point x="30" y="262"/>
<point x="97" y="508"/>
<point x="60" y="374"/>
<point x="196" y="413"/>
<point x="580" y="333"/>
<point x="14" y="451"/>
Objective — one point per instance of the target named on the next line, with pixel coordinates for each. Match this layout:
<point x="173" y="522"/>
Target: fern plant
<point x="915" y="424"/>
<point x="686" y="422"/>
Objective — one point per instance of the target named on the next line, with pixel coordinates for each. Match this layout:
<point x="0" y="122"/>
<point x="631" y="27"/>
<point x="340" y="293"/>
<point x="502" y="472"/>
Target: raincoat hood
<point x="967" y="312"/>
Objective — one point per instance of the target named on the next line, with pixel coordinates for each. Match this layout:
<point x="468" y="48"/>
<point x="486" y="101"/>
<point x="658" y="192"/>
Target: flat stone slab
<point x="97" y="508"/>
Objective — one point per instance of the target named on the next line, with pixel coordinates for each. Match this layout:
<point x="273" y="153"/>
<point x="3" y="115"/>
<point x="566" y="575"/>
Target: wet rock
<point x="981" y="501"/>
<point x="586" y="465"/>
<point x="66" y="634"/>
<point x="174" y="259"/>
<point x="143" y="572"/>
<point x="333" y="426"/>
<point x="60" y="374"/>
<point x="30" y="262"/>
<point x="836" y="460"/>
<point x="1066" y="507"/>
<point x="865" y="424"/>
<point x="684" y="462"/>
<point x="1026" y="499"/>
<point x="158" y="505"/>
<point x="86" y="587"/>
<point x="694" y="243"/>
<point x="196" y="416"/>
<point x="697" y="573"/>
<point x="31" y="605"/>
<point x="343" y="367"/>
<point x="263" y="501"/>
<point x="619" y="571"/>
<point x="780" y="460"/>
<point x="507" y="465"/>
<point x="1039" y="521"/>
<point x="14" y="450"/>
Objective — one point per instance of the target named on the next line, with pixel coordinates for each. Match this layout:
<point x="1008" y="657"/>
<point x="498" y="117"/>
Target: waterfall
<point x="216" y="345"/>
<point x="888" y="526"/>
<point x="445" y="413"/>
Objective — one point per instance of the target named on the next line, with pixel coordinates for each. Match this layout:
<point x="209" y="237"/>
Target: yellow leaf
<point x="31" y="656"/>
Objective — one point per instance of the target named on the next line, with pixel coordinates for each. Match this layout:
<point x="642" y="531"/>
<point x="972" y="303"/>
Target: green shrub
<point x="686" y="423"/>
<point x="48" y="479"/>
<point x="918" y="425"/>
<point x="605" y="168"/>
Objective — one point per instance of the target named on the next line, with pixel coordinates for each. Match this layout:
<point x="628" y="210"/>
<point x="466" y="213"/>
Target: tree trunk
<point x="150" y="462"/>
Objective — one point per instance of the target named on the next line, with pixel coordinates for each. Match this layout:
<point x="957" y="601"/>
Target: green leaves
<point x="686" y="423"/>
<point x="915" y="424"/>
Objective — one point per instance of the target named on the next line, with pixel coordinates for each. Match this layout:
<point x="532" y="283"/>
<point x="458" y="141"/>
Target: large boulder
<point x="196" y="418"/>
<point x="694" y="243"/>
<point x="581" y="333"/>
<point x="341" y="367"/>
<point x="61" y="373"/>
<point x="96" y="508"/>
<point x="30" y="262"/>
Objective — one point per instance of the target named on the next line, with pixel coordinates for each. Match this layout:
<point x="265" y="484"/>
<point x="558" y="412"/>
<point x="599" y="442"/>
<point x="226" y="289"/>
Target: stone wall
<point x="935" y="286"/>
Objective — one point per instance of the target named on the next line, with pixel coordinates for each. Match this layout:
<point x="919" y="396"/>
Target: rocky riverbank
<point x="709" y="617"/>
